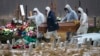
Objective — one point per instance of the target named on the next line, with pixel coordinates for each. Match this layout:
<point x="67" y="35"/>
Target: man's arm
<point x="31" y="17"/>
<point x="64" y="19"/>
<point x="75" y="16"/>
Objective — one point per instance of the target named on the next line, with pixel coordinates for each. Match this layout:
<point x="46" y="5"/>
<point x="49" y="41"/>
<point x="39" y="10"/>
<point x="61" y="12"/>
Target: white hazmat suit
<point x="71" y="14"/>
<point x="83" y="22"/>
<point x="38" y="18"/>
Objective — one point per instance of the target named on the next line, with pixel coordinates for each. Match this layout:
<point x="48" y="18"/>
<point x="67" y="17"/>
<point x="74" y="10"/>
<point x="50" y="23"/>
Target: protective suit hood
<point x="68" y="7"/>
<point x="36" y="9"/>
<point x="48" y="9"/>
<point x="83" y="22"/>
<point x="80" y="9"/>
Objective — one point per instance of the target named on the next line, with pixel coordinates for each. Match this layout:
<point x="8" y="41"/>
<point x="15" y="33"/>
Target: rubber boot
<point x="68" y="36"/>
<point x="47" y="40"/>
<point x="56" y="40"/>
<point x="39" y="39"/>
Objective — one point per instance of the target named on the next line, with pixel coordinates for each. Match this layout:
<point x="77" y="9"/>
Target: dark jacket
<point x="52" y="24"/>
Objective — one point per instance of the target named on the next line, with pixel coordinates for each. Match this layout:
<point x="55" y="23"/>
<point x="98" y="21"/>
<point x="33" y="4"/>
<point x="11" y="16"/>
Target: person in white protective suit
<point x="38" y="18"/>
<point x="71" y="16"/>
<point x="83" y="21"/>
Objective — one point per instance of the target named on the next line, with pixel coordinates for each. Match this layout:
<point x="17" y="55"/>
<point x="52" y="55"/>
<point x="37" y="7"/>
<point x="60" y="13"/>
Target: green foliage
<point x="4" y="38"/>
<point x="93" y="29"/>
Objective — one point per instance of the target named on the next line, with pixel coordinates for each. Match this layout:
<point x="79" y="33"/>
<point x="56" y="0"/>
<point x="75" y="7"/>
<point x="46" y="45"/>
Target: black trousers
<point x="68" y="36"/>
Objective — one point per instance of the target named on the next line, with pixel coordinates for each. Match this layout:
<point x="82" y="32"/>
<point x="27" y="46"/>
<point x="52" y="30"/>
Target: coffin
<point x="63" y="27"/>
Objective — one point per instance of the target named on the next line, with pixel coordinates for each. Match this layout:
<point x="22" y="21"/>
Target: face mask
<point x="35" y="13"/>
<point x="79" y="14"/>
<point x="46" y="12"/>
<point x="66" y="10"/>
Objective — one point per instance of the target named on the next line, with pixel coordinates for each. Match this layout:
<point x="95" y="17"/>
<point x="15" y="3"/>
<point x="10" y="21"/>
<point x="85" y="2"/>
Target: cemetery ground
<point x="61" y="48"/>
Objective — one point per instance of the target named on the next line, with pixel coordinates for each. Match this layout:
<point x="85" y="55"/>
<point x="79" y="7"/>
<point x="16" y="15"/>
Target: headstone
<point x="85" y="41"/>
<point x="65" y="44"/>
<point x="25" y="54"/>
<point x="0" y="45"/>
<point x="79" y="45"/>
<point x="75" y="41"/>
<point x="8" y="44"/>
<point x="95" y="43"/>
<point x="30" y="47"/>
<point x="77" y="54"/>
<point x="89" y="42"/>
<point x="13" y="41"/>
<point x="37" y="43"/>
<point x="72" y="41"/>
<point x="86" y="54"/>
<point x="41" y="53"/>
<point x="59" y="39"/>
<point x="53" y="45"/>
<point x="34" y="45"/>
<point x="13" y="54"/>
<point x="42" y="45"/>
<point x="61" y="44"/>
<point x="99" y="43"/>
<point x="3" y="55"/>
